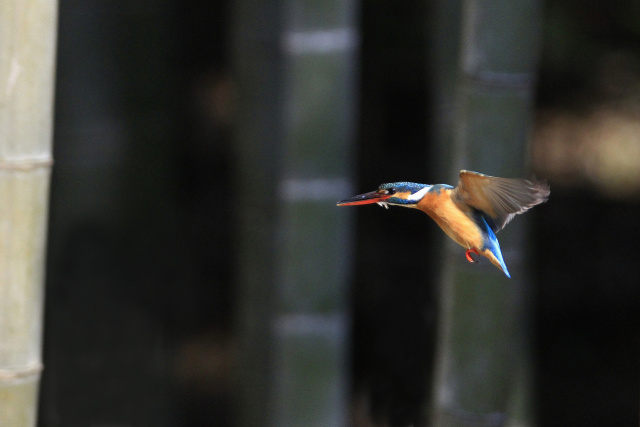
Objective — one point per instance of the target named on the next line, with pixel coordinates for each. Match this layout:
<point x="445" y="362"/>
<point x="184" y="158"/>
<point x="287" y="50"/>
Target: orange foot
<point x="469" y="252"/>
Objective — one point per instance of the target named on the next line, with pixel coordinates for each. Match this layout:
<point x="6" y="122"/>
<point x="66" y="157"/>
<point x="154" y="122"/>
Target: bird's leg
<point x="469" y="252"/>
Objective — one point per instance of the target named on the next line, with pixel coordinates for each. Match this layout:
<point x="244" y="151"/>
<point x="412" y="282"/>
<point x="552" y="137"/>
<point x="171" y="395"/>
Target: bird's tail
<point x="495" y="256"/>
<point x="492" y="250"/>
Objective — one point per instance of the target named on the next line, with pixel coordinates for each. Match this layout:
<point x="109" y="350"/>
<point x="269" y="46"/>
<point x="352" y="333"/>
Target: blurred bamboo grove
<point x="199" y="273"/>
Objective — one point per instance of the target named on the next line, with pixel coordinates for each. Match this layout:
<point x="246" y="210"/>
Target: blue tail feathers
<point x="493" y="245"/>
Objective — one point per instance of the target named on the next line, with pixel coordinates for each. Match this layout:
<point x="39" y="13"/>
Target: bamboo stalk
<point x="482" y="320"/>
<point x="27" y="52"/>
<point x="295" y="68"/>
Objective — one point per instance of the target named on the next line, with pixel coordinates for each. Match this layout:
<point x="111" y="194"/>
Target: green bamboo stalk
<point x="483" y="314"/>
<point x="27" y="56"/>
<point x="295" y="67"/>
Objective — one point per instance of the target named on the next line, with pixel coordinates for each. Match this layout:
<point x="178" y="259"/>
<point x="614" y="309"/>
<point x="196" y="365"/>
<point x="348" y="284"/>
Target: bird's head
<point x="406" y="194"/>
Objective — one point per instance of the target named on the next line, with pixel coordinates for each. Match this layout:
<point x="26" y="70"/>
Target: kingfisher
<point x="470" y="213"/>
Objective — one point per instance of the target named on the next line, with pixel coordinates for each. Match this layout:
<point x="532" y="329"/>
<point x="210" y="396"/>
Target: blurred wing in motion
<point x="500" y="199"/>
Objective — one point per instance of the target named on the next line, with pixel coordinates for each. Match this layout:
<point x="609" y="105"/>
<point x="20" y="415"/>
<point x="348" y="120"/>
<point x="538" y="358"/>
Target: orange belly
<point x="456" y="223"/>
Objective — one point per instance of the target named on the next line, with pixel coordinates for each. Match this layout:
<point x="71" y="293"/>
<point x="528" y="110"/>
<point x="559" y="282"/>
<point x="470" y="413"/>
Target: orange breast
<point x="452" y="219"/>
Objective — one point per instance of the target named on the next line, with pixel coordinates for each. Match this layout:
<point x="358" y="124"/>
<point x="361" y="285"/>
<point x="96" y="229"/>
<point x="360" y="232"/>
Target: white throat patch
<point x="418" y="195"/>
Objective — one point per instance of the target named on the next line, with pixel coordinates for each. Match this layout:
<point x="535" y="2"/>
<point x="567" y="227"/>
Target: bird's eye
<point x="390" y="191"/>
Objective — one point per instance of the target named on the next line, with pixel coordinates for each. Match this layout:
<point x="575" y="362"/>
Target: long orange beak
<point x="364" y="199"/>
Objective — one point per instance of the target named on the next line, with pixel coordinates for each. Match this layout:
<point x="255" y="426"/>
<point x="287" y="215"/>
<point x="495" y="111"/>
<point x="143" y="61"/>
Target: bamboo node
<point x="26" y="371"/>
<point x="27" y="163"/>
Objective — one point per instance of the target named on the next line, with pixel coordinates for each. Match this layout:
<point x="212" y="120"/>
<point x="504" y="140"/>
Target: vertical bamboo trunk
<point x="295" y="71"/>
<point x="258" y="78"/>
<point x="483" y="314"/>
<point x="27" y="53"/>
<point x="444" y="35"/>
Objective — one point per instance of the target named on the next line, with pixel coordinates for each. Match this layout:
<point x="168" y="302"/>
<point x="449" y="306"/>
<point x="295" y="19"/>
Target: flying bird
<point x="470" y="213"/>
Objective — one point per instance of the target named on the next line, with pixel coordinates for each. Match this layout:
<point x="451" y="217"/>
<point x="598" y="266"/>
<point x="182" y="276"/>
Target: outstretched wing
<point x="500" y="199"/>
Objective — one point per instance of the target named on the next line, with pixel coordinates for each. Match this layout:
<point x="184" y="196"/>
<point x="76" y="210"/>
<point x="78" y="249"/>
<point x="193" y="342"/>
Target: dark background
<point x="140" y="293"/>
